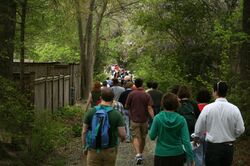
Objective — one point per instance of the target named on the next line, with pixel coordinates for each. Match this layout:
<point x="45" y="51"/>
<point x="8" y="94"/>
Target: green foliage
<point x="15" y="116"/>
<point x="47" y="134"/>
<point x="50" y="132"/>
<point x="163" y="70"/>
<point x="37" y="135"/>
<point x="192" y="28"/>
<point x="69" y="112"/>
<point x="72" y="115"/>
<point x="54" y="53"/>
<point x="239" y="95"/>
<point x="51" y="33"/>
<point x="101" y="76"/>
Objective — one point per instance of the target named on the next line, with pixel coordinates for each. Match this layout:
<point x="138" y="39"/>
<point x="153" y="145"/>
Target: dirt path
<point x="72" y="153"/>
<point x="125" y="155"/>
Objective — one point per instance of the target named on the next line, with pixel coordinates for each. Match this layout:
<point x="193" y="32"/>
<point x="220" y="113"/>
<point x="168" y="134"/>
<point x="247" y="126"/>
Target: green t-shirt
<point x="115" y="120"/>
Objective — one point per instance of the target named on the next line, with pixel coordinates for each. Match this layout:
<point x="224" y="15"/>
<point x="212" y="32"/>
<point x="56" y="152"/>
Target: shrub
<point x="35" y="135"/>
<point x="48" y="133"/>
<point x="239" y="95"/>
<point x="15" y="116"/>
<point x="73" y="116"/>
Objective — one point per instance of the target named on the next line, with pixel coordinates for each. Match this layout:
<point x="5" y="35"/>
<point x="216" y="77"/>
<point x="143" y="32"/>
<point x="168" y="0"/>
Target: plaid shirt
<point x="119" y="107"/>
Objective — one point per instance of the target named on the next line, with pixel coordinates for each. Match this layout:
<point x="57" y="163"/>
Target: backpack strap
<point x="106" y="108"/>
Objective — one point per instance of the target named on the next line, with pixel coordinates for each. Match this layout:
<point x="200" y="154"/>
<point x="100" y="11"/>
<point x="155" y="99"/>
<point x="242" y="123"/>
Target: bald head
<point x="107" y="94"/>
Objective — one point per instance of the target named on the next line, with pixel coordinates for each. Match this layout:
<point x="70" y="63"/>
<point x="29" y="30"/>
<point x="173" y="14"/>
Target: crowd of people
<point x="196" y="132"/>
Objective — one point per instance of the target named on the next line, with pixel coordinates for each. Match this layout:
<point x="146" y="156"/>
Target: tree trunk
<point x="89" y="66"/>
<point x="245" y="51"/>
<point x="82" y="42"/>
<point x="22" y="40"/>
<point x="97" y="32"/>
<point x="7" y="35"/>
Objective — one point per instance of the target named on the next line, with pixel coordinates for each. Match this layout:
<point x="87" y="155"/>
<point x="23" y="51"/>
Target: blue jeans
<point x="199" y="155"/>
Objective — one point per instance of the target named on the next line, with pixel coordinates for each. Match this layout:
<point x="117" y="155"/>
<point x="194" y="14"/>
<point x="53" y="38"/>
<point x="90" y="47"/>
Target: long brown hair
<point x="97" y="86"/>
<point x="184" y="92"/>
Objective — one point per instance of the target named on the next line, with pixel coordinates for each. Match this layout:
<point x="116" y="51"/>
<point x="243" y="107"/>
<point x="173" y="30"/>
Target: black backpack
<point x="187" y="111"/>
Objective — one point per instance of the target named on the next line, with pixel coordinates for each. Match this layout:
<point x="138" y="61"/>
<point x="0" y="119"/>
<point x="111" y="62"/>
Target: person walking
<point x="123" y="99"/>
<point x="105" y="84"/>
<point x="156" y="96"/>
<point x="139" y="104"/>
<point x="98" y="156"/>
<point x="149" y="86"/>
<point x="223" y="123"/>
<point x="117" y="89"/>
<point x="203" y="98"/>
<point x="188" y="108"/>
<point x="171" y="131"/>
<point x="95" y="95"/>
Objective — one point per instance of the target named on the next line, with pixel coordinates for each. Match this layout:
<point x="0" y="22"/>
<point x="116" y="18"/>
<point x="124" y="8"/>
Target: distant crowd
<point x="187" y="132"/>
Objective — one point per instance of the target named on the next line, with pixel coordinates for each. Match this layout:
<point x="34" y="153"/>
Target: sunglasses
<point x="218" y="86"/>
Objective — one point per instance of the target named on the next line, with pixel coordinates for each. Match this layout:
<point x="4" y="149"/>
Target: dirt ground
<point x="125" y="155"/>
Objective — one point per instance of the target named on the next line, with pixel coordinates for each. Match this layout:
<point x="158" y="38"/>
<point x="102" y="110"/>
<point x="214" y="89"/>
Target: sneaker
<point x="138" y="160"/>
<point x="128" y="140"/>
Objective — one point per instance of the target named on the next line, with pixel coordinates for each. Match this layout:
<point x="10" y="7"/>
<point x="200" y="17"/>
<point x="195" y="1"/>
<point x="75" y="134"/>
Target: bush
<point x="73" y="116"/>
<point x="239" y="95"/>
<point x="32" y="136"/>
<point x="48" y="133"/>
<point x="16" y="118"/>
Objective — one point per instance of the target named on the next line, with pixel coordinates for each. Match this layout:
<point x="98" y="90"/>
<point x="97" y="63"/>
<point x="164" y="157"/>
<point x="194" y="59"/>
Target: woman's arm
<point x="186" y="142"/>
<point x="153" y="133"/>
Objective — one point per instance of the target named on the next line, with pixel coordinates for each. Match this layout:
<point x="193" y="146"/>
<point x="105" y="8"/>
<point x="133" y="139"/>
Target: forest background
<point x="192" y="42"/>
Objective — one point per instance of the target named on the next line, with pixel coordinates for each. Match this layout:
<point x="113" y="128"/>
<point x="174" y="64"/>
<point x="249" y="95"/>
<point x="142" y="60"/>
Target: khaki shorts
<point x="139" y="130"/>
<point x="104" y="157"/>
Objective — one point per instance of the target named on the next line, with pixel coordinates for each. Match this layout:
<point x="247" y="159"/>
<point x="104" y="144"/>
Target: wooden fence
<point x="51" y="93"/>
<point x="50" y="85"/>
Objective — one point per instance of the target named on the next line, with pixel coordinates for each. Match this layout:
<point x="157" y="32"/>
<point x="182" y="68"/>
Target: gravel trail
<point x="125" y="155"/>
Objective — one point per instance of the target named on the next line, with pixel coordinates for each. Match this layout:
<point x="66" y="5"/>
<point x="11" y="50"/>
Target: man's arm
<point x="122" y="133"/>
<point x="239" y="127"/>
<point x="128" y="102"/>
<point x="200" y="125"/>
<point x="84" y="133"/>
<point x="89" y="101"/>
<point x="151" y="111"/>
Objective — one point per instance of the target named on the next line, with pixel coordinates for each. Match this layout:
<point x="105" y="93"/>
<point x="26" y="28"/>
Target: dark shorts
<point x="169" y="160"/>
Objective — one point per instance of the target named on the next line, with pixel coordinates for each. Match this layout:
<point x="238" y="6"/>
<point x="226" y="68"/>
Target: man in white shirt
<point x="222" y="122"/>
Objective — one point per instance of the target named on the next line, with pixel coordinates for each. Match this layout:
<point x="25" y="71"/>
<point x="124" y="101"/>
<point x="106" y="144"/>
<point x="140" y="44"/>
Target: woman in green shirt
<point x="172" y="134"/>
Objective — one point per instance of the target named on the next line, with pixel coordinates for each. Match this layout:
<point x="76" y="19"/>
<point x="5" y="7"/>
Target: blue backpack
<point x="98" y="136"/>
